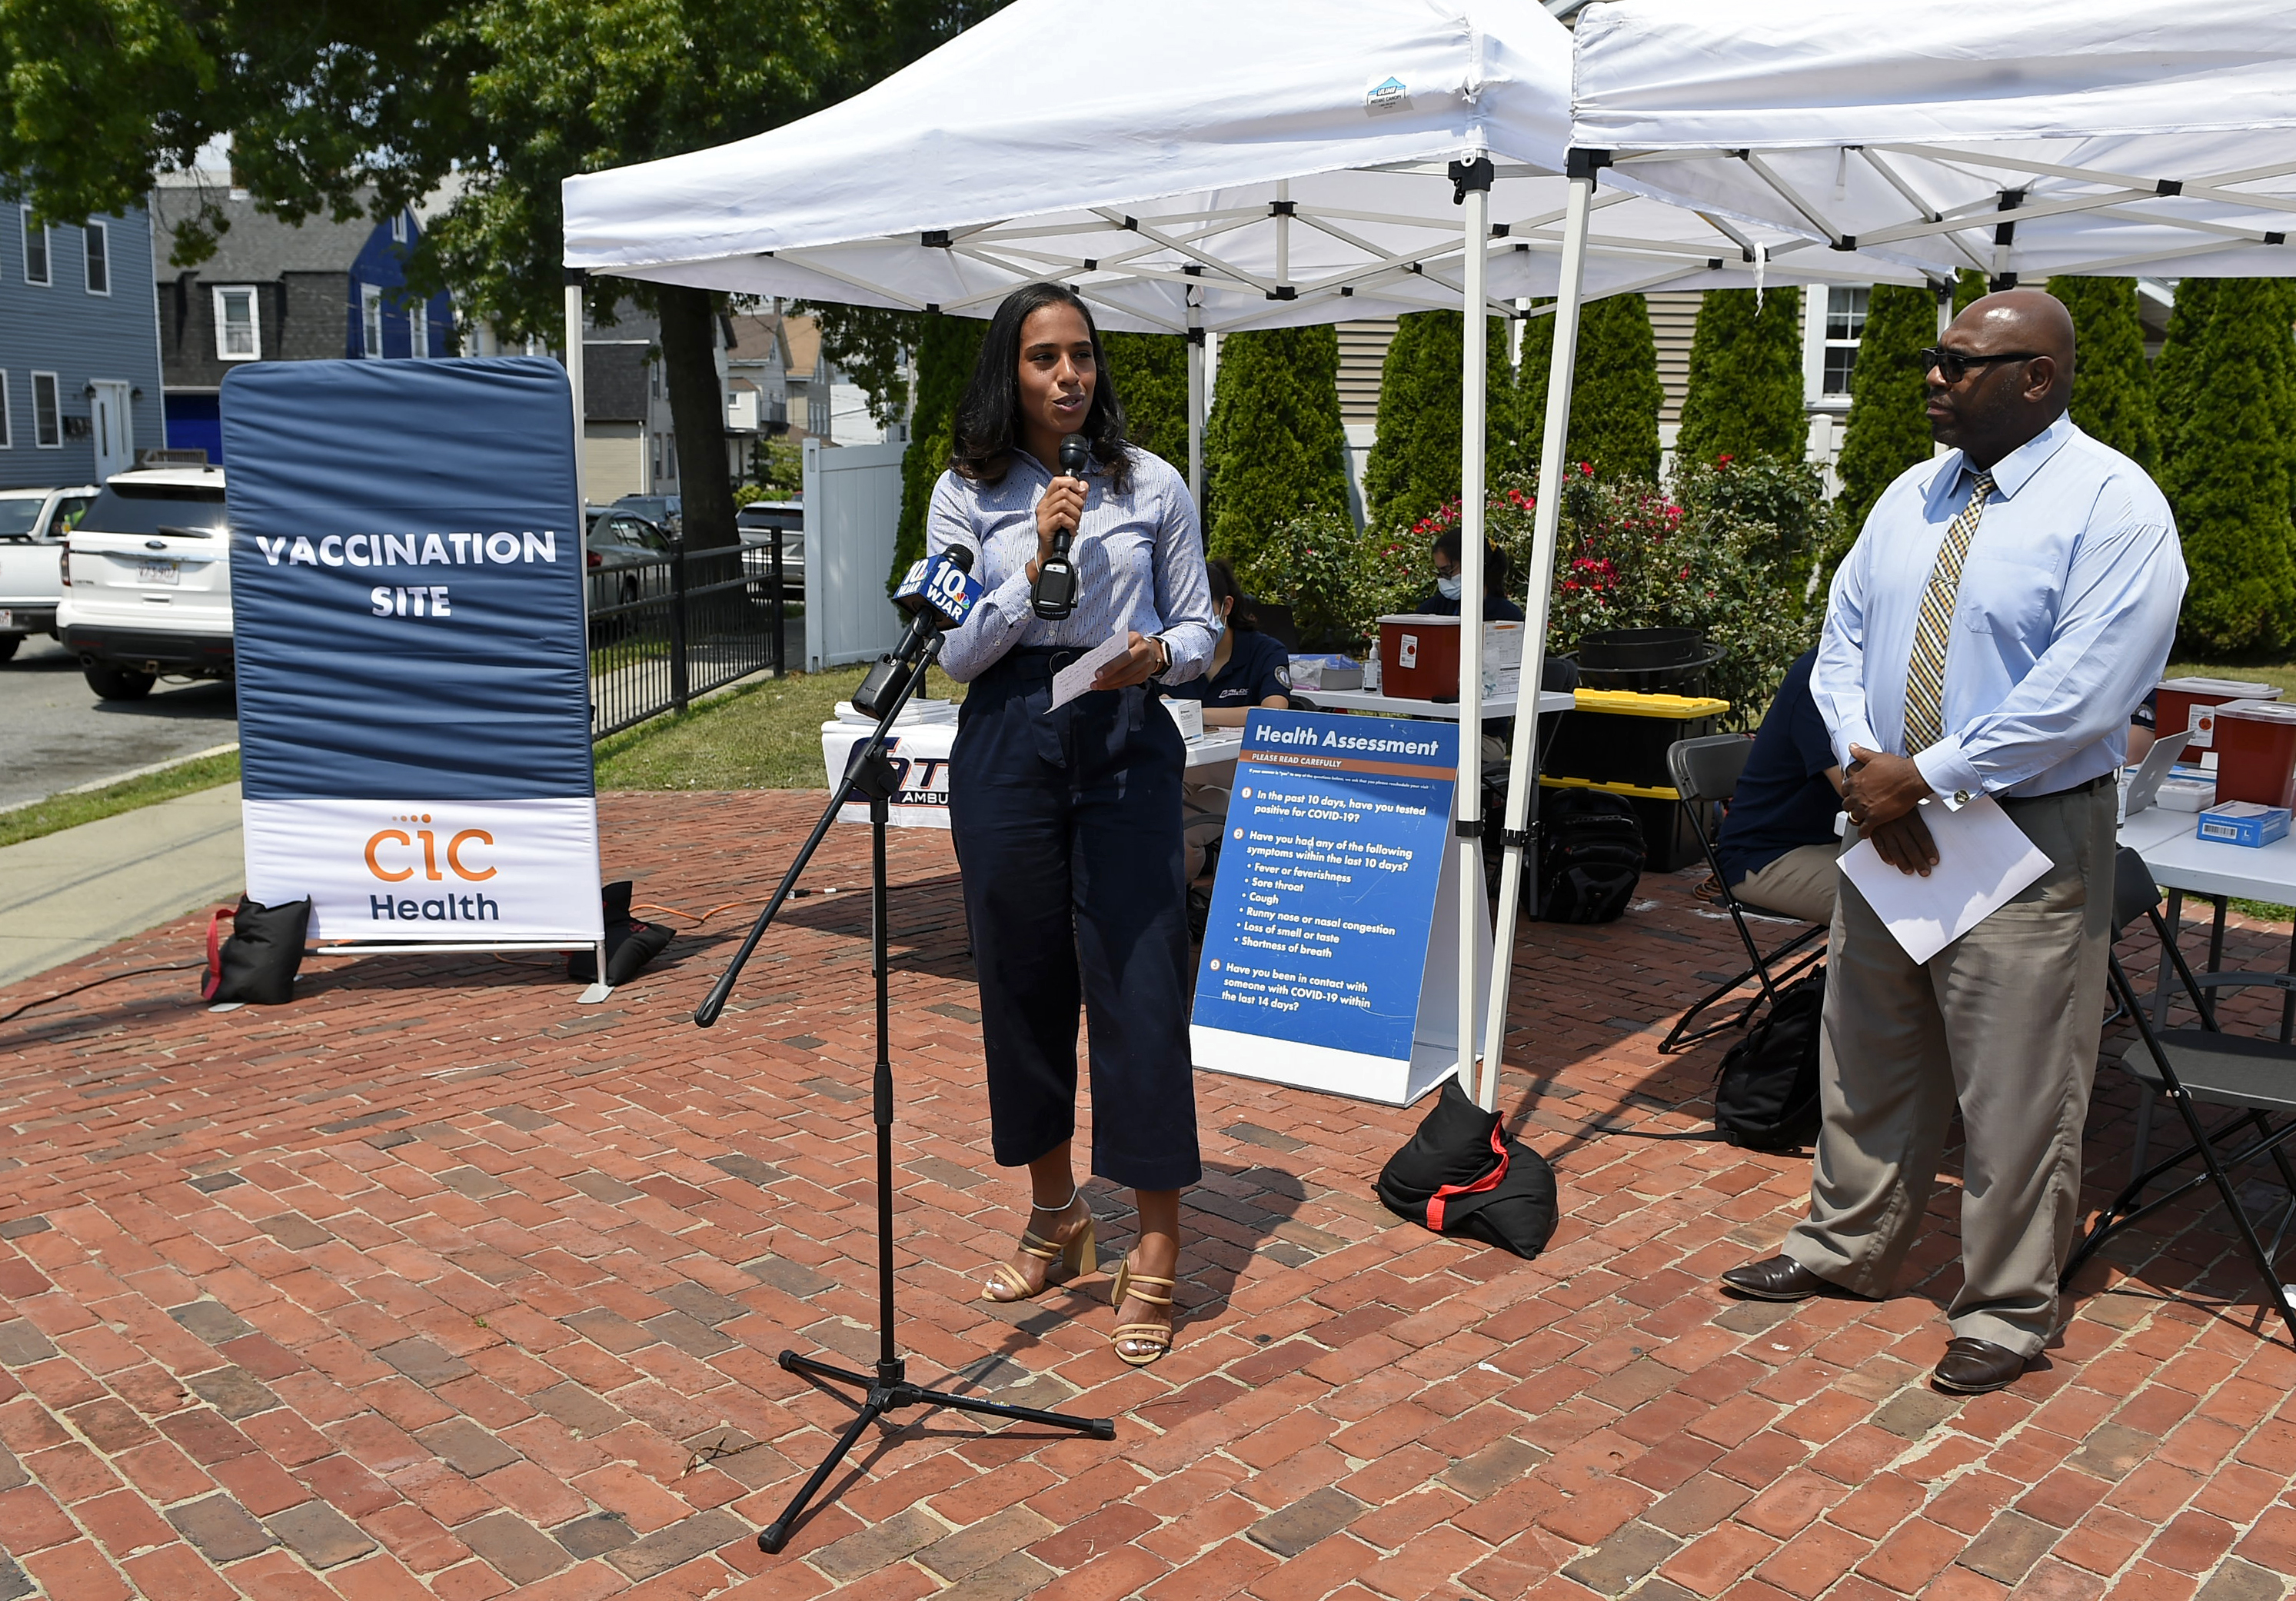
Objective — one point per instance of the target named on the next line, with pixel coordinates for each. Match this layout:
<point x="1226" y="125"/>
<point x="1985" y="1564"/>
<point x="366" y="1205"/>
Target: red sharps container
<point x="2256" y="752"/>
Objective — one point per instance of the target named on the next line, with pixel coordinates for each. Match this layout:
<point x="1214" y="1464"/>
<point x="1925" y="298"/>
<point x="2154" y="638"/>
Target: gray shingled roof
<point x="257" y="246"/>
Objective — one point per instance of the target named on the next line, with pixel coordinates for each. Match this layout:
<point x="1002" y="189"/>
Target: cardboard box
<point x="2244" y="823"/>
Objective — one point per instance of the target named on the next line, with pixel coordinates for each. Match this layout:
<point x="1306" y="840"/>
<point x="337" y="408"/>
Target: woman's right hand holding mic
<point x="1061" y="509"/>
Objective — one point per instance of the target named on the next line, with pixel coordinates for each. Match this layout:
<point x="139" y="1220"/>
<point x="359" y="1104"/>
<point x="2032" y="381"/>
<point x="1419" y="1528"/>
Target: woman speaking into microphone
<point x="1067" y="819"/>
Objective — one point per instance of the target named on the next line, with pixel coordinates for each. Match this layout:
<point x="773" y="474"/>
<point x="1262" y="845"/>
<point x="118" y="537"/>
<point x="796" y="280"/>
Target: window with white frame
<point x="239" y="322"/>
<point x="98" y="259"/>
<point x="7" y="424"/>
<point x="371" y="320"/>
<point x="1845" y="326"/>
<point x="398" y="227"/>
<point x="418" y="330"/>
<point x="47" y="416"/>
<point x="36" y="250"/>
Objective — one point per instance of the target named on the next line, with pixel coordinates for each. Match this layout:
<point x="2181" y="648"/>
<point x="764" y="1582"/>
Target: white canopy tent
<point x="1207" y="167"/>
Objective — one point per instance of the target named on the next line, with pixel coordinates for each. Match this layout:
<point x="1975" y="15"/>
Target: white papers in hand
<point x="1076" y="676"/>
<point x="1983" y="858"/>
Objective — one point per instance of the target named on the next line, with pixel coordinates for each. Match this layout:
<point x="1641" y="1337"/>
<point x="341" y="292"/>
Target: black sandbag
<point x="256" y="965"/>
<point x="1460" y="1175"/>
<point x="631" y="944"/>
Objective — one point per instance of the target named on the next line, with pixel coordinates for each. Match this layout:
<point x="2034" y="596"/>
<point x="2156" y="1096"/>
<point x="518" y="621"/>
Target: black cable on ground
<point x="92" y="983"/>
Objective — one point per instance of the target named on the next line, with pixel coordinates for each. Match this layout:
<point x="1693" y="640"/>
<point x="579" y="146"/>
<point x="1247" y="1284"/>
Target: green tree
<point x="2228" y="480"/>
<point x="1151" y="375"/>
<point x="1745" y="395"/>
<point x="341" y="107"/>
<point x="1616" y="396"/>
<point x="2175" y="375"/>
<point x="1414" y="468"/>
<point x="2113" y="386"/>
<point x="1274" y="445"/>
<point x="1888" y="430"/>
<point x="946" y="349"/>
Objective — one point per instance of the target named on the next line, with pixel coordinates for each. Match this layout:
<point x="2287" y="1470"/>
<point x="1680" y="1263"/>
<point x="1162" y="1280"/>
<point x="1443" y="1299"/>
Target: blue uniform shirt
<point x="2067" y="608"/>
<point x="1258" y="667"/>
<point x="1784" y="799"/>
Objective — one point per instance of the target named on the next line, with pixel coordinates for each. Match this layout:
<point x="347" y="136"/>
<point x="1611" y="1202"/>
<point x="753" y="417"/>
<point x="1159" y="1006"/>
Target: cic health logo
<point x="411" y="853"/>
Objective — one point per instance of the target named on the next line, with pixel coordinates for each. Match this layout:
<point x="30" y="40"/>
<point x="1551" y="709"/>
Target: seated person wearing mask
<point x="1248" y="668"/>
<point x="1444" y="599"/>
<point x="1777" y="847"/>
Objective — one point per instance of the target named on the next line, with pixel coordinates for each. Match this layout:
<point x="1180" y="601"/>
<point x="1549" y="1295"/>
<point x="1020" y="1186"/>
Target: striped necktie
<point x="1925" y="675"/>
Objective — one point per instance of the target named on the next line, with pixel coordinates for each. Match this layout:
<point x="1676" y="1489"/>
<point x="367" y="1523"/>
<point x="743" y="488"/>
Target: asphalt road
<point x="55" y="734"/>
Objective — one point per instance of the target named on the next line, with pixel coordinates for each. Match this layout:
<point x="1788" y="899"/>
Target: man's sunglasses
<point x="1951" y="365"/>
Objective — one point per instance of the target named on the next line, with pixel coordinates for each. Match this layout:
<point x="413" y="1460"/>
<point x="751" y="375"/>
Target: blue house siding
<point x="381" y="264"/>
<point x="83" y="338"/>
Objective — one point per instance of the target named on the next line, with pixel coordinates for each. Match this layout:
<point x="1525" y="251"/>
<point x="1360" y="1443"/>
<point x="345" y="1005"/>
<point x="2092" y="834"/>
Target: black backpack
<point x="1461" y="1175"/>
<point x="1590" y="856"/>
<point x="1766" y="1095"/>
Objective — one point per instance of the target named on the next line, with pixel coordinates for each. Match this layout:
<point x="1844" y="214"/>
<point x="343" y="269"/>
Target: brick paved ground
<point x="434" y="1284"/>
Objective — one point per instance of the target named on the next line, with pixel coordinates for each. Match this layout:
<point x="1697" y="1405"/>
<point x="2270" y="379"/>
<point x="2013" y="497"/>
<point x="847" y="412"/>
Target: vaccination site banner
<point x="406" y="570"/>
<point x="1329" y="957"/>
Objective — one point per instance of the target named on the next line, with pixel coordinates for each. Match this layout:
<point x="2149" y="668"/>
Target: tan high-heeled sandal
<point x="1158" y="1334"/>
<point x="1078" y="1256"/>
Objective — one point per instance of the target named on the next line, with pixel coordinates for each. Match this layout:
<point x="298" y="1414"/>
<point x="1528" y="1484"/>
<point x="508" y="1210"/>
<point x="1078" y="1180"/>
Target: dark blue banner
<point x="406" y="579"/>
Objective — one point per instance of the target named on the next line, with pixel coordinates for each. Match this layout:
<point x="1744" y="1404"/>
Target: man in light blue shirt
<point x="2004" y="610"/>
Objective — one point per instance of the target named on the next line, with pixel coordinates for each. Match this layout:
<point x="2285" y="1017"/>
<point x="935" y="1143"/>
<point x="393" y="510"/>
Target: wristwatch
<point x="1164" y="648"/>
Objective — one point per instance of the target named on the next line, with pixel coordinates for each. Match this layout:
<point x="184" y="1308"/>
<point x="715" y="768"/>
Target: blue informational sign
<point x="413" y="677"/>
<point x="1331" y="872"/>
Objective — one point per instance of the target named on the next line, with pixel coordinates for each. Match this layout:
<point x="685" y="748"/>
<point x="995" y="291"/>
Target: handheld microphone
<point x="1054" y="594"/>
<point x="940" y="593"/>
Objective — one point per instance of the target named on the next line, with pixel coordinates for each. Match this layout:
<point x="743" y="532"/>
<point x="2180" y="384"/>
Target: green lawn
<point x="68" y="811"/>
<point x="766" y="736"/>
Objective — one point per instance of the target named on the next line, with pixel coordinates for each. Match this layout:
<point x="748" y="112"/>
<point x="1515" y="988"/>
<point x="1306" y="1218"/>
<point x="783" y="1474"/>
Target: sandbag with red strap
<point x="1460" y="1175"/>
<point x="257" y="964"/>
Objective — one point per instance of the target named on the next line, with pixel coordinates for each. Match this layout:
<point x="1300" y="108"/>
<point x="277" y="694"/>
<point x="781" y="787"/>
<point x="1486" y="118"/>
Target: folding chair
<point x="1706" y="771"/>
<point x="2256" y="1078"/>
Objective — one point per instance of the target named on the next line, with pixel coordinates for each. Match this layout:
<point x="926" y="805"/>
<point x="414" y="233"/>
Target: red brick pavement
<point x="437" y="1284"/>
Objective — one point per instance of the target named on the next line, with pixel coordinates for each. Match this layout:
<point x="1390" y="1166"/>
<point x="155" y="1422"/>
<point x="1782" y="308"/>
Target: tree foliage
<point x="2228" y="478"/>
<point x="1888" y="428"/>
<point x="2113" y="386"/>
<point x="946" y="349"/>
<point x="1274" y="446"/>
<point x="1745" y="394"/>
<point x="1152" y="376"/>
<point x="1413" y="469"/>
<point x="1616" y="396"/>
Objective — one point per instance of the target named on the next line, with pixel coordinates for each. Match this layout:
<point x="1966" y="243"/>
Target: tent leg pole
<point x="1196" y="407"/>
<point x="1546" y="525"/>
<point x="1475" y="181"/>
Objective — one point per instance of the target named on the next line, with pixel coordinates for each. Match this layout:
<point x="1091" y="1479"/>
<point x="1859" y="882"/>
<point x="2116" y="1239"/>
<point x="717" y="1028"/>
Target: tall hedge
<point x="1745" y="395"/>
<point x="2113" y="386"/>
<point x="947" y="347"/>
<point x="1616" y="396"/>
<point x="1151" y="375"/>
<point x="1274" y="445"/>
<point x="2228" y="476"/>
<point x="1888" y="428"/>
<point x="1414" y="467"/>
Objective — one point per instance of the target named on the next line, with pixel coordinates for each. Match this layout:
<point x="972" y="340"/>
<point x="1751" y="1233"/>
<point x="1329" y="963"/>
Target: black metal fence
<point x="662" y="632"/>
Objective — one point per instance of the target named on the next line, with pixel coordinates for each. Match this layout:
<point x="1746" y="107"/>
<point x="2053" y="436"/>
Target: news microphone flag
<point x="943" y="584"/>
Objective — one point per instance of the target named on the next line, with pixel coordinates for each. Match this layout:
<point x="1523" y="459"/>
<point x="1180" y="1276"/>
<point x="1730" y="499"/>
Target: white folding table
<point x="2183" y="863"/>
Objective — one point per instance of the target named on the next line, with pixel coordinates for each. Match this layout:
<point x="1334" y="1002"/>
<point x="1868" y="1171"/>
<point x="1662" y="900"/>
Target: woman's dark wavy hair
<point x="1243" y="620"/>
<point x="988" y="426"/>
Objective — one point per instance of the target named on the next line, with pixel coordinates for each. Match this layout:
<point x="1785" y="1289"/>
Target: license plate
<point x="7" y="620"/>
<point x="159" y="573"/>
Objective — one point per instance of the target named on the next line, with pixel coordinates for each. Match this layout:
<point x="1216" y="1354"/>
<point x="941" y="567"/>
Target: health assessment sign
<point x="414" y="685"/>
<point x="1318" y="965"/>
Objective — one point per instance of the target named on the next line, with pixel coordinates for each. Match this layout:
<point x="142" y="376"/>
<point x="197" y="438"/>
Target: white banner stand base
<point x="1390" y="1081"/>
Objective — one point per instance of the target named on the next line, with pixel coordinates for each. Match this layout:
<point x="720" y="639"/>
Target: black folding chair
<point x="2255" y="1078"/>
<point x="1706" y="771"/>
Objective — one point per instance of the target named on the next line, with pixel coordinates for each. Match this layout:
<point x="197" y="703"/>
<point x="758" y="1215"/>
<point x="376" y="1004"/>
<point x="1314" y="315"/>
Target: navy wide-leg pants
<point x="1067" y="826"/>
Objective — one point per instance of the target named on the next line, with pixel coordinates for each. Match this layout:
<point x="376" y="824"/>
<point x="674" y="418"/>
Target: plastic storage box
<point x="1616" y="741"/>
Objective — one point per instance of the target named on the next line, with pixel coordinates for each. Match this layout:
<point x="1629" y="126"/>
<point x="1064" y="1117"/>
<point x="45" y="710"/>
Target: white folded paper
<point x="1076" y="676"/>
<point x="1983" y="859"/>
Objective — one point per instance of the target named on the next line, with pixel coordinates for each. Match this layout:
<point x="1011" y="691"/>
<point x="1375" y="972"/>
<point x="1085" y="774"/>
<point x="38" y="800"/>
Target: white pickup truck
<point x="33" y="523"/>
<point x="147" y="584"/>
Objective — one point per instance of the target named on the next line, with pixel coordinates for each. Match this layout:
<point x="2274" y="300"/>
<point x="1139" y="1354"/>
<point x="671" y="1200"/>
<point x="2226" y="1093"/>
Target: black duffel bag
<point x="257" y="964"/>
<point x="1461" y="1175"/>
<point x="1766" y="1093"/>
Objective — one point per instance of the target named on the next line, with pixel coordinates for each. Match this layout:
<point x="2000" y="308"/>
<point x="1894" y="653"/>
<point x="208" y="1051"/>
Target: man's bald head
<point x="2015" y="353"/>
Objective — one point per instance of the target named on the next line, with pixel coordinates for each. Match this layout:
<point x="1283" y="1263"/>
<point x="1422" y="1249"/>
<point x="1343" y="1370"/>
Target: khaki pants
<point x="1800" y="883"/>
<point x="2005" y="1021"/>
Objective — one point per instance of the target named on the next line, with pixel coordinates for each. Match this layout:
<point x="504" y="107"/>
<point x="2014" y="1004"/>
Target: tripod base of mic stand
<point x="888" y="1392"/>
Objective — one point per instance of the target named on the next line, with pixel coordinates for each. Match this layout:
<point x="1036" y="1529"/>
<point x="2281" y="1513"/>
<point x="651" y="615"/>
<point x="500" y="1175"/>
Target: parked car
<point x="665" y="511"/>
<point x="755" y="524"/>
<point x="33" y="523"/>
<point x="624" y="553"/>
<point x="147" y="581"/>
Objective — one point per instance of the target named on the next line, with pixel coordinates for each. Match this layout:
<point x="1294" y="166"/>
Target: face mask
<point x="1219" y="625"/>
<point x="1448" y="585"/>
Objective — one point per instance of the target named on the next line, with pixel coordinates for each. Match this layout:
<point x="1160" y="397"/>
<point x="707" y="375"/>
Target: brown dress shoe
<point x="1780" y="1278"/>
<point x="1977" y="1366"/>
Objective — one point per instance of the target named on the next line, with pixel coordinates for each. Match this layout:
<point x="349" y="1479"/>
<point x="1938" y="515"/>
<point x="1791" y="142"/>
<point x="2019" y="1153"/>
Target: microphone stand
<point x="889" y="1389"/>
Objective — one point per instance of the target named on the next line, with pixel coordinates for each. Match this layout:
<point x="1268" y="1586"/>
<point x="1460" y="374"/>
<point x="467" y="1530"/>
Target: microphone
<point x="940" y="593"/>
<point x="1054" y="594"/>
